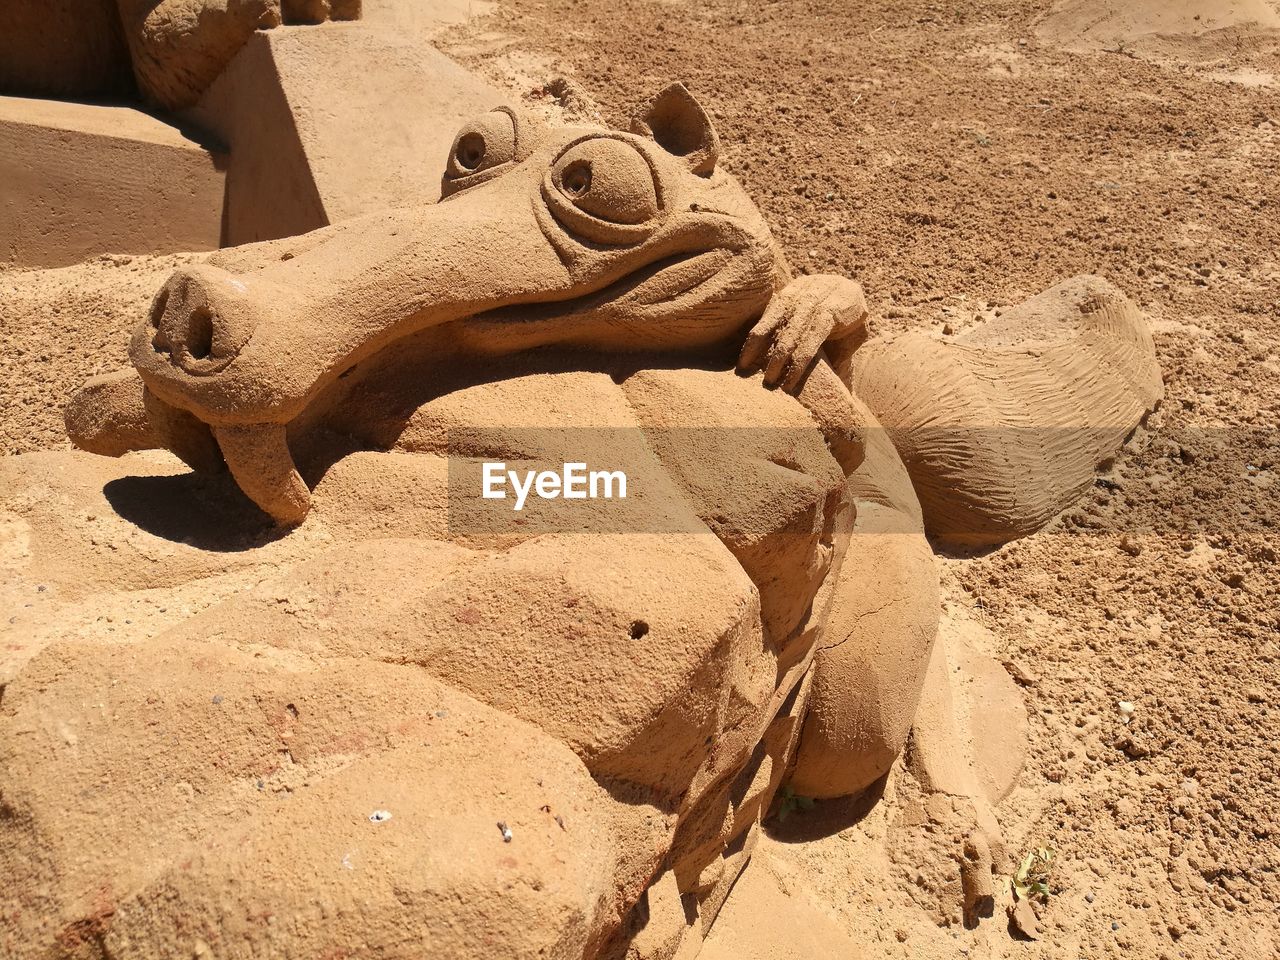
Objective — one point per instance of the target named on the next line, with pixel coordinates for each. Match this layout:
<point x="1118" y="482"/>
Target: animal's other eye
<point x="484" y="143"/>
<point x="576" y="180"/>
<point x="470" y="152"/>
<point x="609" y="179"/>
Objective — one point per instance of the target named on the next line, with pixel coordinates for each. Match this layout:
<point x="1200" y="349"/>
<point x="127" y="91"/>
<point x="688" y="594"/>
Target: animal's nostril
<point x="157" y="306"/>
<point x="201" y="319"/>
<point x="159" y="342"/>
<point x="200" y="334"/>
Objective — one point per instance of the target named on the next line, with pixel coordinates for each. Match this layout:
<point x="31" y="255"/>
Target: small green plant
<point x="792" y="802"/>
<point x="1032" y="879"/>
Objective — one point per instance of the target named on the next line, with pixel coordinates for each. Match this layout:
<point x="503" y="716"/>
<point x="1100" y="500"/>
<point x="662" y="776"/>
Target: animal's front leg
<point x="810" y="312"/>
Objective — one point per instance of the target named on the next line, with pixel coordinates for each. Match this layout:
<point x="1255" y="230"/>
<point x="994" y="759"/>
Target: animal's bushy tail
<point x="1002" y="429"/>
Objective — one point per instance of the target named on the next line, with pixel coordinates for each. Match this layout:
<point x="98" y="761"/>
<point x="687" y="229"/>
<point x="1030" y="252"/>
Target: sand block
<point x="322" y="791"/>
<point x="82" y="180"/>
<point x="63" y="48"/>
<point x="326" y="123"/>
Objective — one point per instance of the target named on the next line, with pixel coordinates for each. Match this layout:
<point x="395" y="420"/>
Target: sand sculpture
<point x="422" y="731"/>
<point x="170" y="49"/>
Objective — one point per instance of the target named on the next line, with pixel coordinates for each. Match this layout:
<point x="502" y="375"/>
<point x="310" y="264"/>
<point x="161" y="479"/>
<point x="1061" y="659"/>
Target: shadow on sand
<point x="206" y="511"/>
<point x="825" y="817"/>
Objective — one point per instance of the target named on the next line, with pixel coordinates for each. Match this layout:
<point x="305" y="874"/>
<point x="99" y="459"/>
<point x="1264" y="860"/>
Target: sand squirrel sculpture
<point x="575" y="727"/>
<point x="168" y="51"/>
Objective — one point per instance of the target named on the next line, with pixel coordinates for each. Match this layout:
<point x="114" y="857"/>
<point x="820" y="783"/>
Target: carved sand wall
<point x="171" y="49"/>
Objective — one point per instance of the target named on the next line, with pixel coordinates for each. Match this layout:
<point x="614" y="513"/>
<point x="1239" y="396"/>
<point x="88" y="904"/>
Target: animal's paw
<point x="810" y="311"/>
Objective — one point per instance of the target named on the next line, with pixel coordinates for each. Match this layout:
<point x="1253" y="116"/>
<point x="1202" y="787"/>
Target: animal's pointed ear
<point x="678" y="124"/>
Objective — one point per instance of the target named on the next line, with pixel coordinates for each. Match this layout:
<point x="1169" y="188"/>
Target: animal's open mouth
<point x="663" y="281"/>
<point x="258" y="455"/>
<point x="671" y="278"/>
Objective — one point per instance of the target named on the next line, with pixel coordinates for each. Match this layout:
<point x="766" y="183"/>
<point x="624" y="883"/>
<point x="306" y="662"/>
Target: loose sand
<point x="954" y="158"/>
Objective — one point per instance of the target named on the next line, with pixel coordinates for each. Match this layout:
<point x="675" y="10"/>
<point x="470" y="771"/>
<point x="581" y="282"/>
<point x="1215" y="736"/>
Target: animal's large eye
<point x="483" y="144"/>
<point x="609" y="179"/>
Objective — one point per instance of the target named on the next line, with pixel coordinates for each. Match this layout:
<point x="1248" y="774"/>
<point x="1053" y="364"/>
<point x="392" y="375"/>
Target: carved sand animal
<point x="576" y="726"/>
<point x="171" y="49"/>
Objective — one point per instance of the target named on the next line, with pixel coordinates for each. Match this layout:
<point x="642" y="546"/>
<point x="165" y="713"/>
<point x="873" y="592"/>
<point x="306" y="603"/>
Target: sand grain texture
<point x="954" y="161"/>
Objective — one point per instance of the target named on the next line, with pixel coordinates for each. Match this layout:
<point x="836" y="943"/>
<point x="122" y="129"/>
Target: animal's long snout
<point x="253" y="339"/>
<point x="202" y="318"/>
<point x="243" y="347"/>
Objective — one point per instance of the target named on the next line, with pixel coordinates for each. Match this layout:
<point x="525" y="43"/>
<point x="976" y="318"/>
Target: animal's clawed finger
<point x="806" y="351"/>
<point x="763" y="334"/>
<point x="781" y="353"/>
<point x="757" y="340"/>
<point x="265" y="12"/>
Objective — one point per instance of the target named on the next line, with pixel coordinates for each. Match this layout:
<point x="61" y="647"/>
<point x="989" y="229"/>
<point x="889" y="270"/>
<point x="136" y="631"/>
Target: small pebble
<point x="1088" y="897"/>
<point x="1021" y="673"/>
<point x="217" y="698"/>
<point x="506" y="832"/>
<point x="380" y="816"/>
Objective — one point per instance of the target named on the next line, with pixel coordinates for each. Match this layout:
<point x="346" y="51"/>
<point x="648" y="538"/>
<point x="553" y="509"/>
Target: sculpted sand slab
<point x="625" y="704"/>
<point x="170" y="49"/>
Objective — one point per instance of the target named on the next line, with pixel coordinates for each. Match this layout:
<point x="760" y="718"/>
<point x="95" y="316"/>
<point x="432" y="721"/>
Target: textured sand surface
<point x="955" y="159"/>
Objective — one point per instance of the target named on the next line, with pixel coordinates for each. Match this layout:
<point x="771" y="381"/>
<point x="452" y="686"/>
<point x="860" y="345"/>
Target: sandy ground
<point x="954" y="158"/>
<point x="60" y="327"/>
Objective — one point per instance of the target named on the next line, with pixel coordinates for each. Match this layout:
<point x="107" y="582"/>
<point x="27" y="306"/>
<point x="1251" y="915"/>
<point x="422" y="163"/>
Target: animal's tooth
<point x="259" y="458"/>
